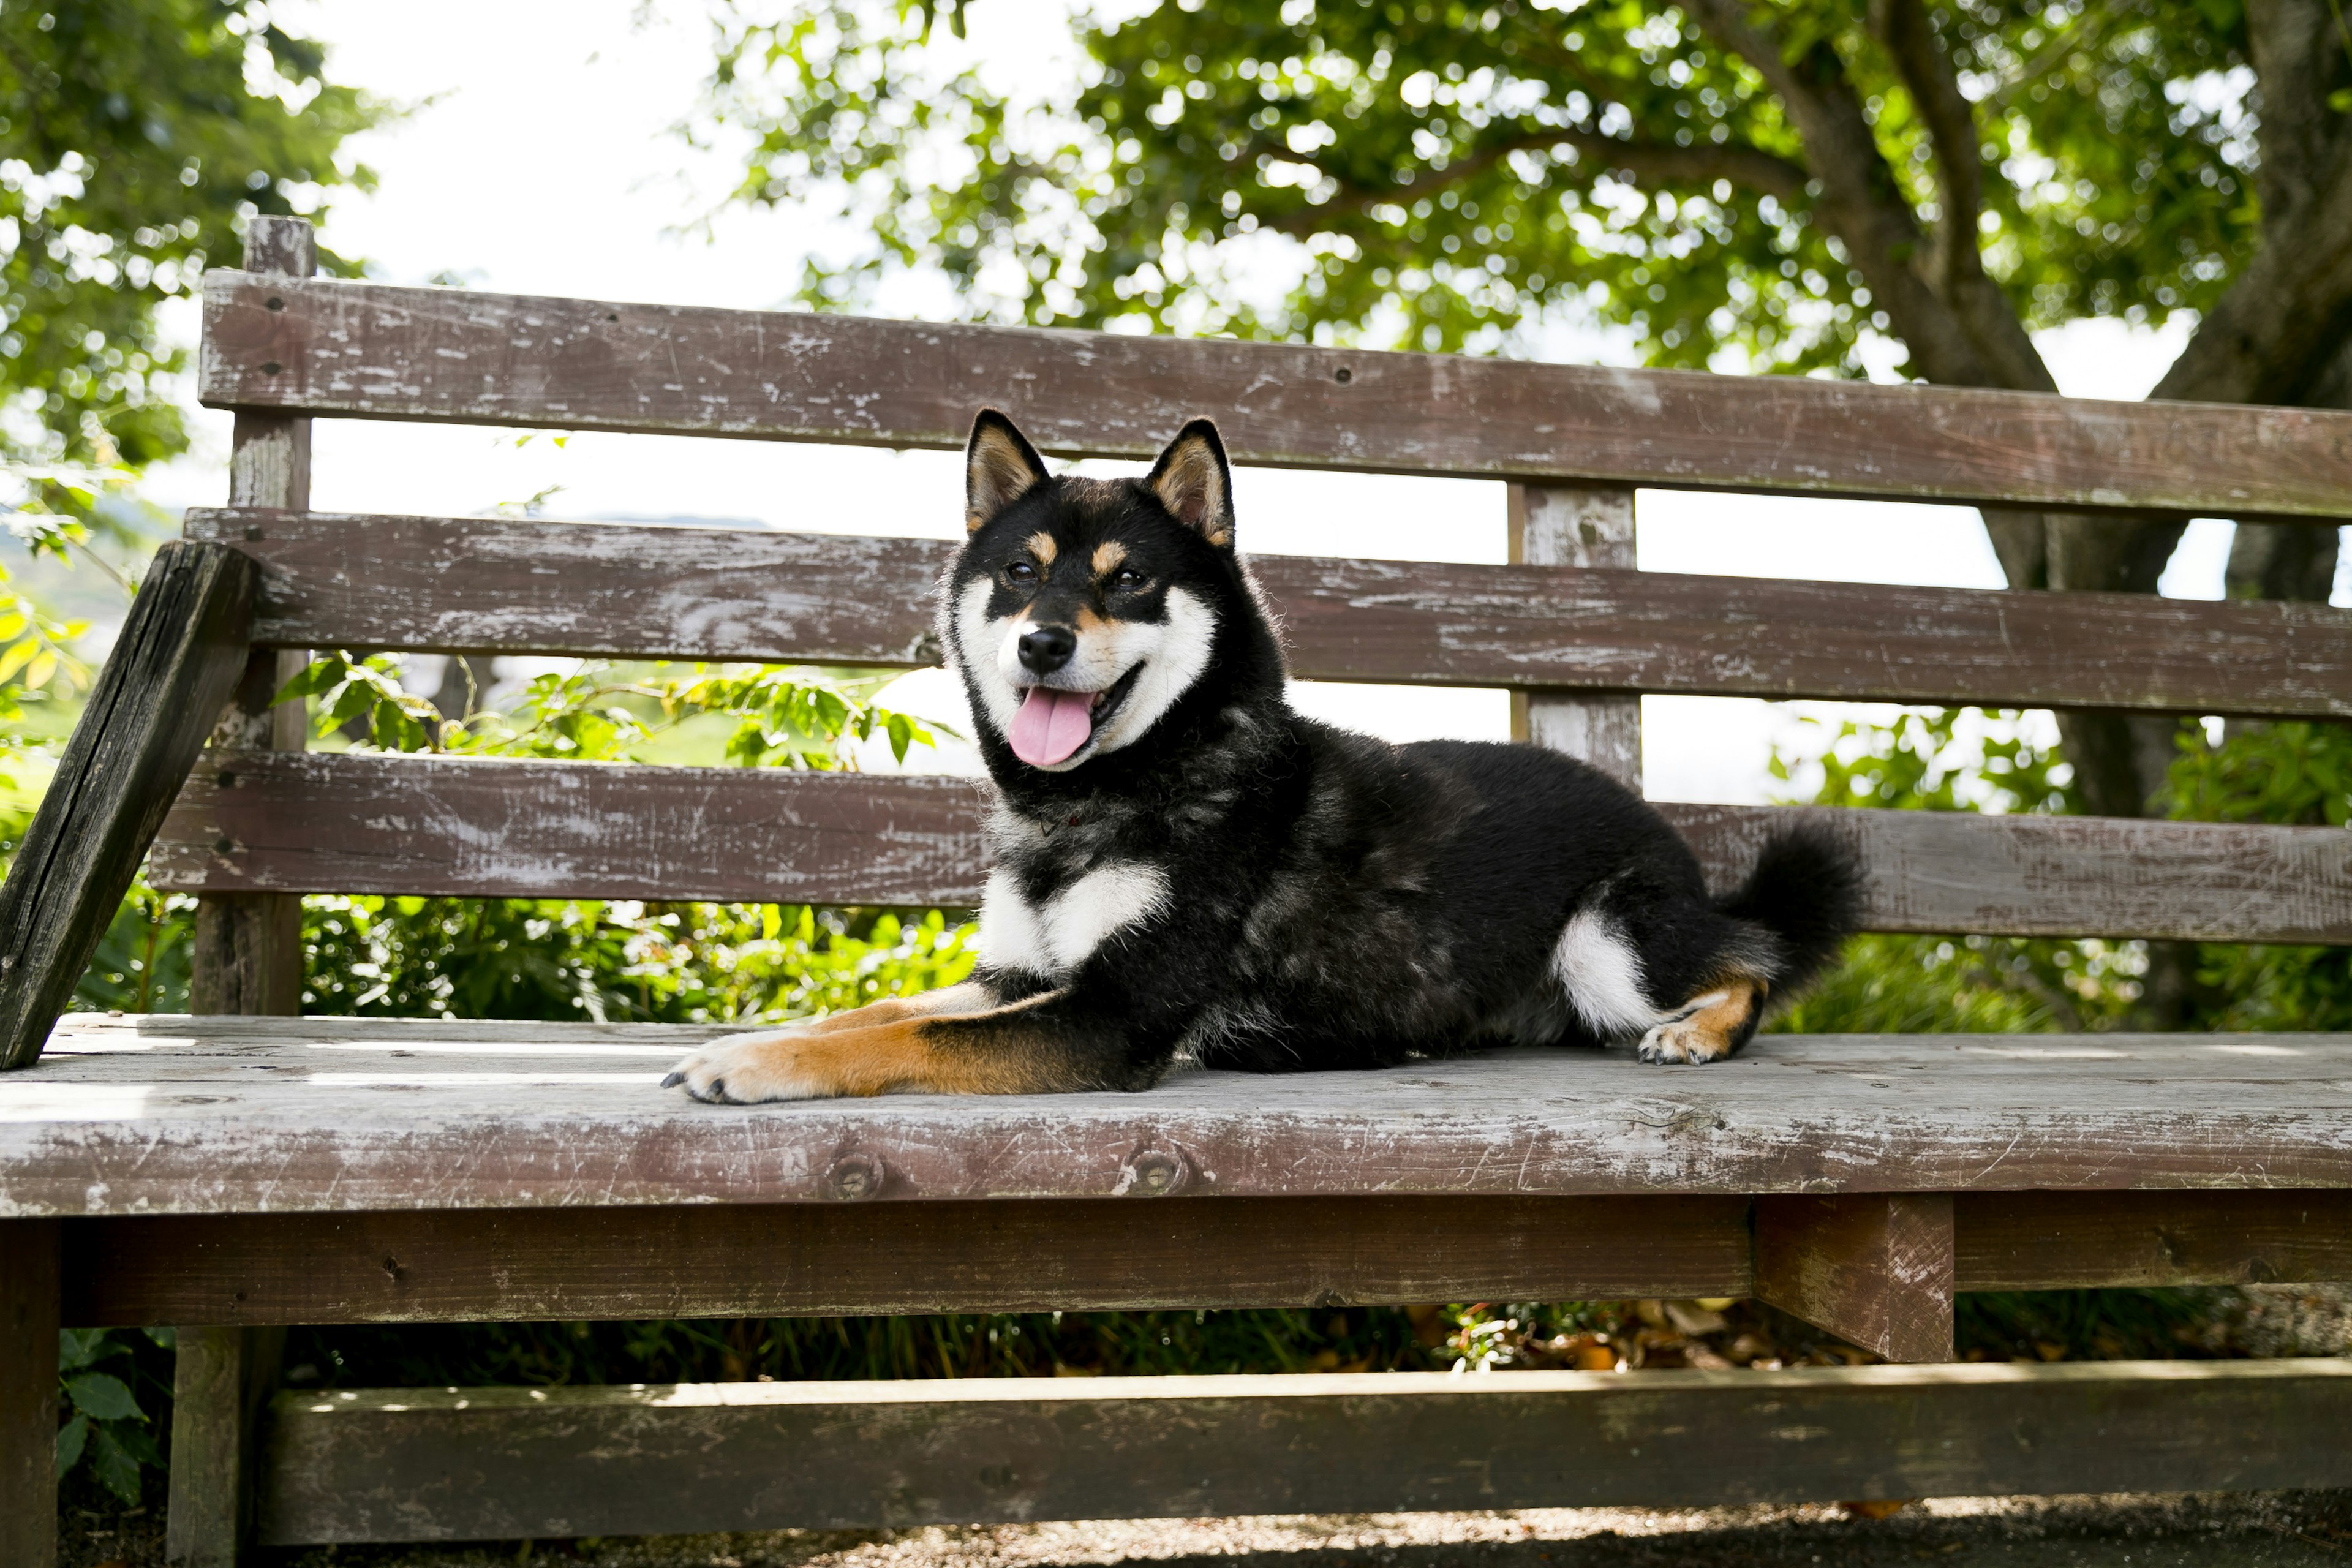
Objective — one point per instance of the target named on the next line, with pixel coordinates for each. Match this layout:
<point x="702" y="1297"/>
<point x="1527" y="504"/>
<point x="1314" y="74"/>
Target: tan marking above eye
<point x="1040" y="545"/>
<point x="1108" y="557"/>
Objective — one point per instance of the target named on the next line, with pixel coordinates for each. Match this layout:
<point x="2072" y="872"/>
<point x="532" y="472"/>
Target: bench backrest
<point x="293" y="822"/>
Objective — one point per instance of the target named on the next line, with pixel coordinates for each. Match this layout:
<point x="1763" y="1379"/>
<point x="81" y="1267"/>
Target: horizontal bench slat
<point x="455" y="1464"/>
<point x="162" y="1115"/>
<point x="458" y="356"/>
<point x="727" y="1260"/>
<point x="461" y="585"/>
<point x="310" y="822"/>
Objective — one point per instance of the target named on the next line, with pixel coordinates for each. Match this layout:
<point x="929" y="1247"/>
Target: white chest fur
<point x="1054" y="937"/>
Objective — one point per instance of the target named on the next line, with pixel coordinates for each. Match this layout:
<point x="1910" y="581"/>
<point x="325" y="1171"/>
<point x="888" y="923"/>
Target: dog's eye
<point x="1021" y="571"/>
<point x="1127" y="577"/>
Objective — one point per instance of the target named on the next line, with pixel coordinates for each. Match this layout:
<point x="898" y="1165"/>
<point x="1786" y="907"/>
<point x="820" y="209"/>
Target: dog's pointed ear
<point x="1000" y="467"/>
<point x="1193" y="480"/>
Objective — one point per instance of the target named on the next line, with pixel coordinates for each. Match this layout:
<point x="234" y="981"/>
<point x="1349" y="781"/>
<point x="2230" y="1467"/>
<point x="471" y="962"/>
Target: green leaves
<point x="795" y="716"/>
<point x="104" y="1422"/>
<point x="100" y="1396"/>
<point x="394" y="718"/>
<point x="137" y="134"/>
<point x="1455" y="176"/>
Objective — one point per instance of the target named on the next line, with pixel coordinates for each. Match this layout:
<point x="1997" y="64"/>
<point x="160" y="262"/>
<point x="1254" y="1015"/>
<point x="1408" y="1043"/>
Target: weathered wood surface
<point x="824" y="1260"/>
<point x="724" y="1260"/>
<point x="29" y="1259"/>
<point x="247" y="951"/>
<point x="435" y="1464"/>
<point x="1874" y="1268"/>
<point x="172" y="1116"/>
<point x="222" y="1381"/>
<point x="2080" y="1241"/>
<point x="1581" y="526"/>
<point x="321" y="822"/>
<point x="1568" y="619"/>
<point x="491" y="828"/>
<point x="176" y="661"/>
<point x="468" y="357"/>
<point x="1948" y="871"/>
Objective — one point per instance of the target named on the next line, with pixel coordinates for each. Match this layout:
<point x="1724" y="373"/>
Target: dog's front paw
<point x="745" y="1069"/>
<point x="1683" y="1040"/>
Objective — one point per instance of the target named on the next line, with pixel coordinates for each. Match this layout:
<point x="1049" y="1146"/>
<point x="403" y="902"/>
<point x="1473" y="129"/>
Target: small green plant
<point x="105" y="1426"/>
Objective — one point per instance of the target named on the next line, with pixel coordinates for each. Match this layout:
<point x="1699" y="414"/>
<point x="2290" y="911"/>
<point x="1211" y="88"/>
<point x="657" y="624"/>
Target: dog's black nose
<point x="1044" y="649"/>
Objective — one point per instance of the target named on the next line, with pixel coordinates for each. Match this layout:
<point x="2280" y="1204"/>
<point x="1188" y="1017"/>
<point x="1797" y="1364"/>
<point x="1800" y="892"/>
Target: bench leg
<point x="29" y="1393"/>
<point x="1874" y="1268"/>
<point x="221" y="1385"/>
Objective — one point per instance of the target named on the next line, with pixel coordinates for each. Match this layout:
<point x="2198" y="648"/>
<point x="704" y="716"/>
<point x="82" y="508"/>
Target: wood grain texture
<point x="29" y="1263"/>
<point x="491" y="828"/>
<point x="309" y="822"/>
<point x="827" y="1259"/>
<point x="1583" y="526"/>
<point x="1874" y="1268"/>
<point x="246" y="952"/>
<point x="469" y="357"/>
<point x="221" y="1384"/>
<point x="2082" y="1241"/>
<point x="1567" y="620"/>
<point x="179" y="1116"/>
<point x="433" y="1464"/>
<point x="175" y="663"/>
<point x="756" y="1260"/>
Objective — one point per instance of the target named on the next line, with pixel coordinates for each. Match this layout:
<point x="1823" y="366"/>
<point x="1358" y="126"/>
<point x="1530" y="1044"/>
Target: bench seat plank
<point x="476" y="585"/>
<point x="162" y="1115"/>
<point x="327" y="347"/>
<point x="474" y="827"/>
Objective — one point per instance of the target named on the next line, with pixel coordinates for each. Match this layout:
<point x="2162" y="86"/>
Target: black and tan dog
<point x="1187" y="867"/>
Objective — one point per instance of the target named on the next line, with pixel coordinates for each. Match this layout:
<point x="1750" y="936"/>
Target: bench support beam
<point x="1874" y="1268"/>
<point x="358" y="1465"/>
<point x="1578" y="525"/>
<point x="221" y="1387"/>
<point x="173" y="666"/>
<point x="29" y="1275"/>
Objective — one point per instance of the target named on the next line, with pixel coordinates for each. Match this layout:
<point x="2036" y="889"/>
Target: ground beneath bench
<point x="2284" y="1530"/>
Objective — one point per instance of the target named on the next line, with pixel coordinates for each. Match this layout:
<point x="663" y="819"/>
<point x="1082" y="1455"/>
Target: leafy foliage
<point x="1955" y="760"/>
<point x="105" y="1427"/>
<point x="1445" y="174"/>
<point x="2288" y="772"/>
<point x="135" y="137"/>
<point x="793" y="717"/>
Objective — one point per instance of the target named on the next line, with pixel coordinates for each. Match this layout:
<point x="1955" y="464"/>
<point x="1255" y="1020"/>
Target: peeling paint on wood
<point x="466" y="357"/>
<point x="449" y="585"/>
<point x="1874" y="1268"/>
<point x="492" y="828"/>
<point x="176" y="1116"/>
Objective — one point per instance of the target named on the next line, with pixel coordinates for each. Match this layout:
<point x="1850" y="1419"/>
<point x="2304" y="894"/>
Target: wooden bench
<point x="248" y="1169"/>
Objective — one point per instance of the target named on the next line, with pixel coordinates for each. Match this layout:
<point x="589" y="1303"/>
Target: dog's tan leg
<point x="1710" y="1025"/>
<point x="968" y="997"/>
<point x="1011" y="1049"/>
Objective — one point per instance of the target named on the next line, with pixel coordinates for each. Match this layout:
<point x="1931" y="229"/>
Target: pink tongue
<point x="1051" y="725"/>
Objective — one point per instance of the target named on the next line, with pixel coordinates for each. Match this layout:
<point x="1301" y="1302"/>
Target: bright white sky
<point x="539" y="160"/>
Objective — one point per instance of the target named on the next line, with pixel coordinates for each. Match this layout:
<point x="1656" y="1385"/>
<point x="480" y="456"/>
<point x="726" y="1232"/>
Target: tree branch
<point x="2274" y="332"/>
<point x="1955" y="267"/>
<point x="1862" y="202"/>
<point x="1909" y="38"/>
<point x="1653" y="162"/>
<point x="2295" y="46"/>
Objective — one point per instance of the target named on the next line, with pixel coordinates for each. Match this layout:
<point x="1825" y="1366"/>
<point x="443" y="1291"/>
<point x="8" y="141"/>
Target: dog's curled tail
<point x="1806" y="889"/>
